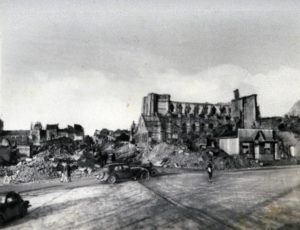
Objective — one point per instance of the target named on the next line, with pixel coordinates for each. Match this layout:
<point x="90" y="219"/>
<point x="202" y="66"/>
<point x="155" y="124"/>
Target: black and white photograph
<point x="149" y="114"/>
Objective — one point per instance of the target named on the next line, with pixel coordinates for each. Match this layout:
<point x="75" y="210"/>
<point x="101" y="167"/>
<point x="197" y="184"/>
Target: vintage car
<point x="149" y="166"/>
<point x="12" y="206"/>
<point x="112" y="173"/>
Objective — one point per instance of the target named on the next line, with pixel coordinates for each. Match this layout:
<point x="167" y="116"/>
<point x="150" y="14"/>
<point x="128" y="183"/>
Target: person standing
<point x="105" y="158"/>
<point x="113" y="157"/>
<point x="63" y="172"/>
<point x="68" y="172"/>
<point x="209" y="169"/>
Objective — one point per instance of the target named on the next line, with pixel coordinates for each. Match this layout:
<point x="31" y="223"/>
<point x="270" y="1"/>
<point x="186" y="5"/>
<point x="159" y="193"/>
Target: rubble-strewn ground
<point x="84" y="159"/>
<point x="245" y="199"/>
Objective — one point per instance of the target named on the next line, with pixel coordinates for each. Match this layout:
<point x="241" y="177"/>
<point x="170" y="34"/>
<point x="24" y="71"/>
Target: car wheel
<point x="112" y="180"/>
<point x="144" y="175"/>
<point x="153" y="172"/>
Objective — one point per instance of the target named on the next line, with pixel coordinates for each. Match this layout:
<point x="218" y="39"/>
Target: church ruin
<point x="164" y="120"/>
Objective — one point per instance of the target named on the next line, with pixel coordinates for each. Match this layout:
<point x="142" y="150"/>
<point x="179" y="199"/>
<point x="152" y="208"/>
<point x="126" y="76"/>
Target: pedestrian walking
<point x="209" y="169"/>
<point x="113" y="157"/>
<point x="105" y="158"/>
<point x="63" y="172"/>
<point x="68" y="173"/>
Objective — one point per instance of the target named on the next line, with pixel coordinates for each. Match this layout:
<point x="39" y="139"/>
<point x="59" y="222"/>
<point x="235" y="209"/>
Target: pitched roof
<point x="256" y="135"/>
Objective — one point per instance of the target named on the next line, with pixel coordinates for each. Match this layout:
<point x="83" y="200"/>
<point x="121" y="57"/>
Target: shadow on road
<point x="46" y="210"/>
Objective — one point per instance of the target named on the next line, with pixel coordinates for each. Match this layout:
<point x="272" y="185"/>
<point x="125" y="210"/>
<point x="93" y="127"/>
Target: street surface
<point x="248" y="199"/>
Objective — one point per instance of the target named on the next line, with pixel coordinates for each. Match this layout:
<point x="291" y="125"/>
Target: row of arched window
<point x="182" y="108"/>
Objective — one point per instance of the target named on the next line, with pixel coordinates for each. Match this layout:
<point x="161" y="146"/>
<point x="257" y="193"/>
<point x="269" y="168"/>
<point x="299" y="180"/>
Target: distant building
<point x="23" y="140"/>
<point x="52" y="131"/>
<point x="19" y="139"/>
<point x="258" y="144"/>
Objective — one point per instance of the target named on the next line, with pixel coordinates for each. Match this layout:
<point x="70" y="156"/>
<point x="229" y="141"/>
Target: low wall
<point x="229" y="145"/>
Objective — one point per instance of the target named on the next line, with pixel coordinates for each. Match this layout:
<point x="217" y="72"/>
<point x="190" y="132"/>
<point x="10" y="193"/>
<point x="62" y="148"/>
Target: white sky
<point x="91" y="62"/>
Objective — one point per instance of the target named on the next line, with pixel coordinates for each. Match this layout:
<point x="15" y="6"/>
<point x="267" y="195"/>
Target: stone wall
<point x="249" y="112"/>
<point x="155" y="103"/>
<point x="244" y="110"/>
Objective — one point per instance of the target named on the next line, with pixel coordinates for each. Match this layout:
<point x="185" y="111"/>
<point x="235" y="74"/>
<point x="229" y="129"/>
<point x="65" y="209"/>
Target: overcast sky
<point x="91" y="62"/>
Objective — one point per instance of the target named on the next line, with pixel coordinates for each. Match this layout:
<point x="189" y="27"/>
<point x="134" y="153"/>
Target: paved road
<point x="261" y="199"/>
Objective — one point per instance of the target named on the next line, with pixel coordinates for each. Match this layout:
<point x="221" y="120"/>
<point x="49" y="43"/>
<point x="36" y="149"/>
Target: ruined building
<point x="165" y="120"/>
<point x="52" y="131"/>
<point x="244" y="110"/>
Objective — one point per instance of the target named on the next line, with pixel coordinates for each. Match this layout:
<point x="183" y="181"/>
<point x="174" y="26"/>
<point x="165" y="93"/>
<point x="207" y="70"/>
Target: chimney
<point x="236" y="94"/>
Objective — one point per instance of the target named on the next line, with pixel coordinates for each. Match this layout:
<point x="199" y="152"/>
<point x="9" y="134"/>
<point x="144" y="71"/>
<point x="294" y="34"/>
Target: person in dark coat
<point x="113" y="157"/>
<point x="150" y="164"/>
<point x="104" y="158"/>
<point x="99" y="158"/>
<point x="209" y="169"/>
<point x="68" y="172"/>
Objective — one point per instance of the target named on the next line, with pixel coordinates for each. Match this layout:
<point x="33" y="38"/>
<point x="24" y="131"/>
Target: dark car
<point x="11" y="206"/>
<point x="112" y="173"/>
<point x="149" y="166"/>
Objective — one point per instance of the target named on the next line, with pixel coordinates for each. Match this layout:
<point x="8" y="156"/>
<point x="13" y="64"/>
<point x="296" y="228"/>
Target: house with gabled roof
<point x="258" y="144"/>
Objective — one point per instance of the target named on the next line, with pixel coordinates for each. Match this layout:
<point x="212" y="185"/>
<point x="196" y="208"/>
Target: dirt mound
<point x="174" y="156"/>
<point x="45" y="164"/>
<point x="35" y="169"/>
<point x="179" y="156"/>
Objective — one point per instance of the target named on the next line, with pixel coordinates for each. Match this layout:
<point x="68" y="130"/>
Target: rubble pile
<point x="45" y="164"/>
<point x="128" y="153"/>
<point x="179" y="156"/>
<point x="86" y="161"/>
<point x="83" y="157"/>
<point x="41" y="166"/>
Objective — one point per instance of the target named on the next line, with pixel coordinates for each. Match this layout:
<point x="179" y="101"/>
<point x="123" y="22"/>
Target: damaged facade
<point x="52" y="131"/>
<point x="23" y="140"/>
<point x="19" y="139"/>
<point x="164" y="120"/>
